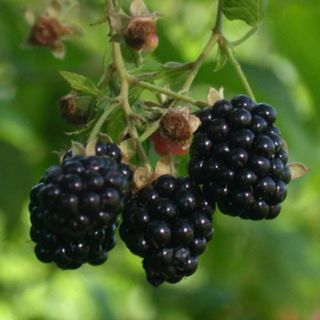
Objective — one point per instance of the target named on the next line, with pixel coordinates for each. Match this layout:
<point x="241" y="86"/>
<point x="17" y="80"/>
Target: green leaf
<point x="249" y="11"/>
<point x="80" y="83"/>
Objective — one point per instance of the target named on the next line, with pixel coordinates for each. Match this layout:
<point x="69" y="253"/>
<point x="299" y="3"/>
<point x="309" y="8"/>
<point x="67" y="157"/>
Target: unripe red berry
<point x="175" y="133"/>
<point x="165" y="146"/>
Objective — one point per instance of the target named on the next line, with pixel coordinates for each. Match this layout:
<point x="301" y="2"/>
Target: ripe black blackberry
<point x="102" y="149"/>
<point x="239" y="157"/>
<point x="168" y="224"/>
<point x="74" y="208"/>
<point x="111" y="150"/>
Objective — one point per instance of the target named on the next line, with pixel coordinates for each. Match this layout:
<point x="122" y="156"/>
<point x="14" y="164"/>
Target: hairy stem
<point x="196" y="65"/>
<point x="124" y="92"/>
<point x="199" y="61"/>
<point x="219" y="20"/>
<point x="97" y="127"/>
<point x="249" y="34"/>
<point x="152" y="129"/>
<point x="168" y="92"/>
<point x="224" y="45"/>
<point x="107" y="75"/>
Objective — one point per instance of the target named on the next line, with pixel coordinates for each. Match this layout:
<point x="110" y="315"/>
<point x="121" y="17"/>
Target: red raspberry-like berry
<point x="165" y="146"/>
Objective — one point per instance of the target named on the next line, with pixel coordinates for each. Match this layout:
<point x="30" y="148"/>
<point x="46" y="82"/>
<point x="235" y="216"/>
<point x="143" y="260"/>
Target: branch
<point x="224" y="45"/>
<point x="196" y="65"/>
<point x="124" y="92"/>
<point x="168" y="92"/>
<point x="248" y="35"/>
<point x="97" y="127"/>
<point x="199" y="61"/>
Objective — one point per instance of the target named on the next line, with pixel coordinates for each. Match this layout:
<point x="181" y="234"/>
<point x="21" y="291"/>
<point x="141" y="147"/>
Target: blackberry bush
<point x="74" y="208"/>
<point x="239" y="156"/>
<point x="168" y="224"/>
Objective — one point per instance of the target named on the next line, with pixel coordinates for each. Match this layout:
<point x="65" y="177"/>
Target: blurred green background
<point x="265" y="270"/>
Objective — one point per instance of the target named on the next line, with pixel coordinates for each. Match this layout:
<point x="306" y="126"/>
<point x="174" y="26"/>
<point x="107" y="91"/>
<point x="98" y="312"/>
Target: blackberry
<point x="74" y="209"/>
<point x="102" y="149"/>
<point x="238" y="155"/>
<point x="111" y="150"/>
<point x="168" y="224"/>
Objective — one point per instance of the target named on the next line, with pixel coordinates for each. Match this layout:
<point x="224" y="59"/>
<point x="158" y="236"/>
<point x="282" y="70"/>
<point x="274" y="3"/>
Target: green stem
<point x="152" y="129"/>
<point x="199" y="61"/>
<point x="219" y="20"/>
<point x="107" y="75"/>
<point x="124" y="93"/>
<point x="97" y="127"/>
<point x="249" y="34"/>
<point x="196" y="65"/>
<point x="168" y="92"/>
<point x="237" y="67"/>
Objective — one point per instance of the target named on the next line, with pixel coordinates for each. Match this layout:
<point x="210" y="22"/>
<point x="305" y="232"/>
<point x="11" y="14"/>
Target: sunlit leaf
<point x="80" y="83"/>
<point x="250" y="11"/>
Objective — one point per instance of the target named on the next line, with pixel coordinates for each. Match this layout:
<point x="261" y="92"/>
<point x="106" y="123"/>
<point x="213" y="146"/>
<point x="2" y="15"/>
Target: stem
<point x="124" y="93"/>
<point x="199" y="61"/>
<point x="152" y="129"/>
<point x="219" y="20"/>
<point x="107" y="75"/>
<point x="237" y="67"/>
<point x="249" y="34"/>
<point x="217" y="36"/>
<point x="168" y="92"/>
<point x="68" y="9"/>
<point x="216" y="33"/>
<point x="97" y="127"/>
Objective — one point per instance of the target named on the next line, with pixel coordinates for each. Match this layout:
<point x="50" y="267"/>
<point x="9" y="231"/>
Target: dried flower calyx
<point x="141" y="34"/>
<point x="74" y="109"/>
<point x="138" y="29"/>
<point x="47" y="30"/>
<point x="179" y="125"/>
<point x="175" y="133"/>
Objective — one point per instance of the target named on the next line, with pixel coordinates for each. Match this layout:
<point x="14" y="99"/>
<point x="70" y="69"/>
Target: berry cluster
<point x="74" y="209"/>
<point x="239" y="157"/>
<point x="238" y="160"/>
<point x="167" y="224"/>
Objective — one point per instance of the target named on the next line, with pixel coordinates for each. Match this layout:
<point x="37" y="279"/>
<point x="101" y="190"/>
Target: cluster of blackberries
<point x="238" y="160"/>
<point x="74" y="209"/>
<point x="239" y="157"/>
<point x="167" y="224"/>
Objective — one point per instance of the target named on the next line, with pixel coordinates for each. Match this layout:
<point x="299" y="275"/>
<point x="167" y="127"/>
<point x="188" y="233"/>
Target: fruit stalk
<point x="199" y="61"/>
<point x="97" y="127"/>
<point x="225" y="47"/>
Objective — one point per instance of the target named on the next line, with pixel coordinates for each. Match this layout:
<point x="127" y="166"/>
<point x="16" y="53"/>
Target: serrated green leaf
<point x="80" y="83"/>
<point x="249" y="11"/>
